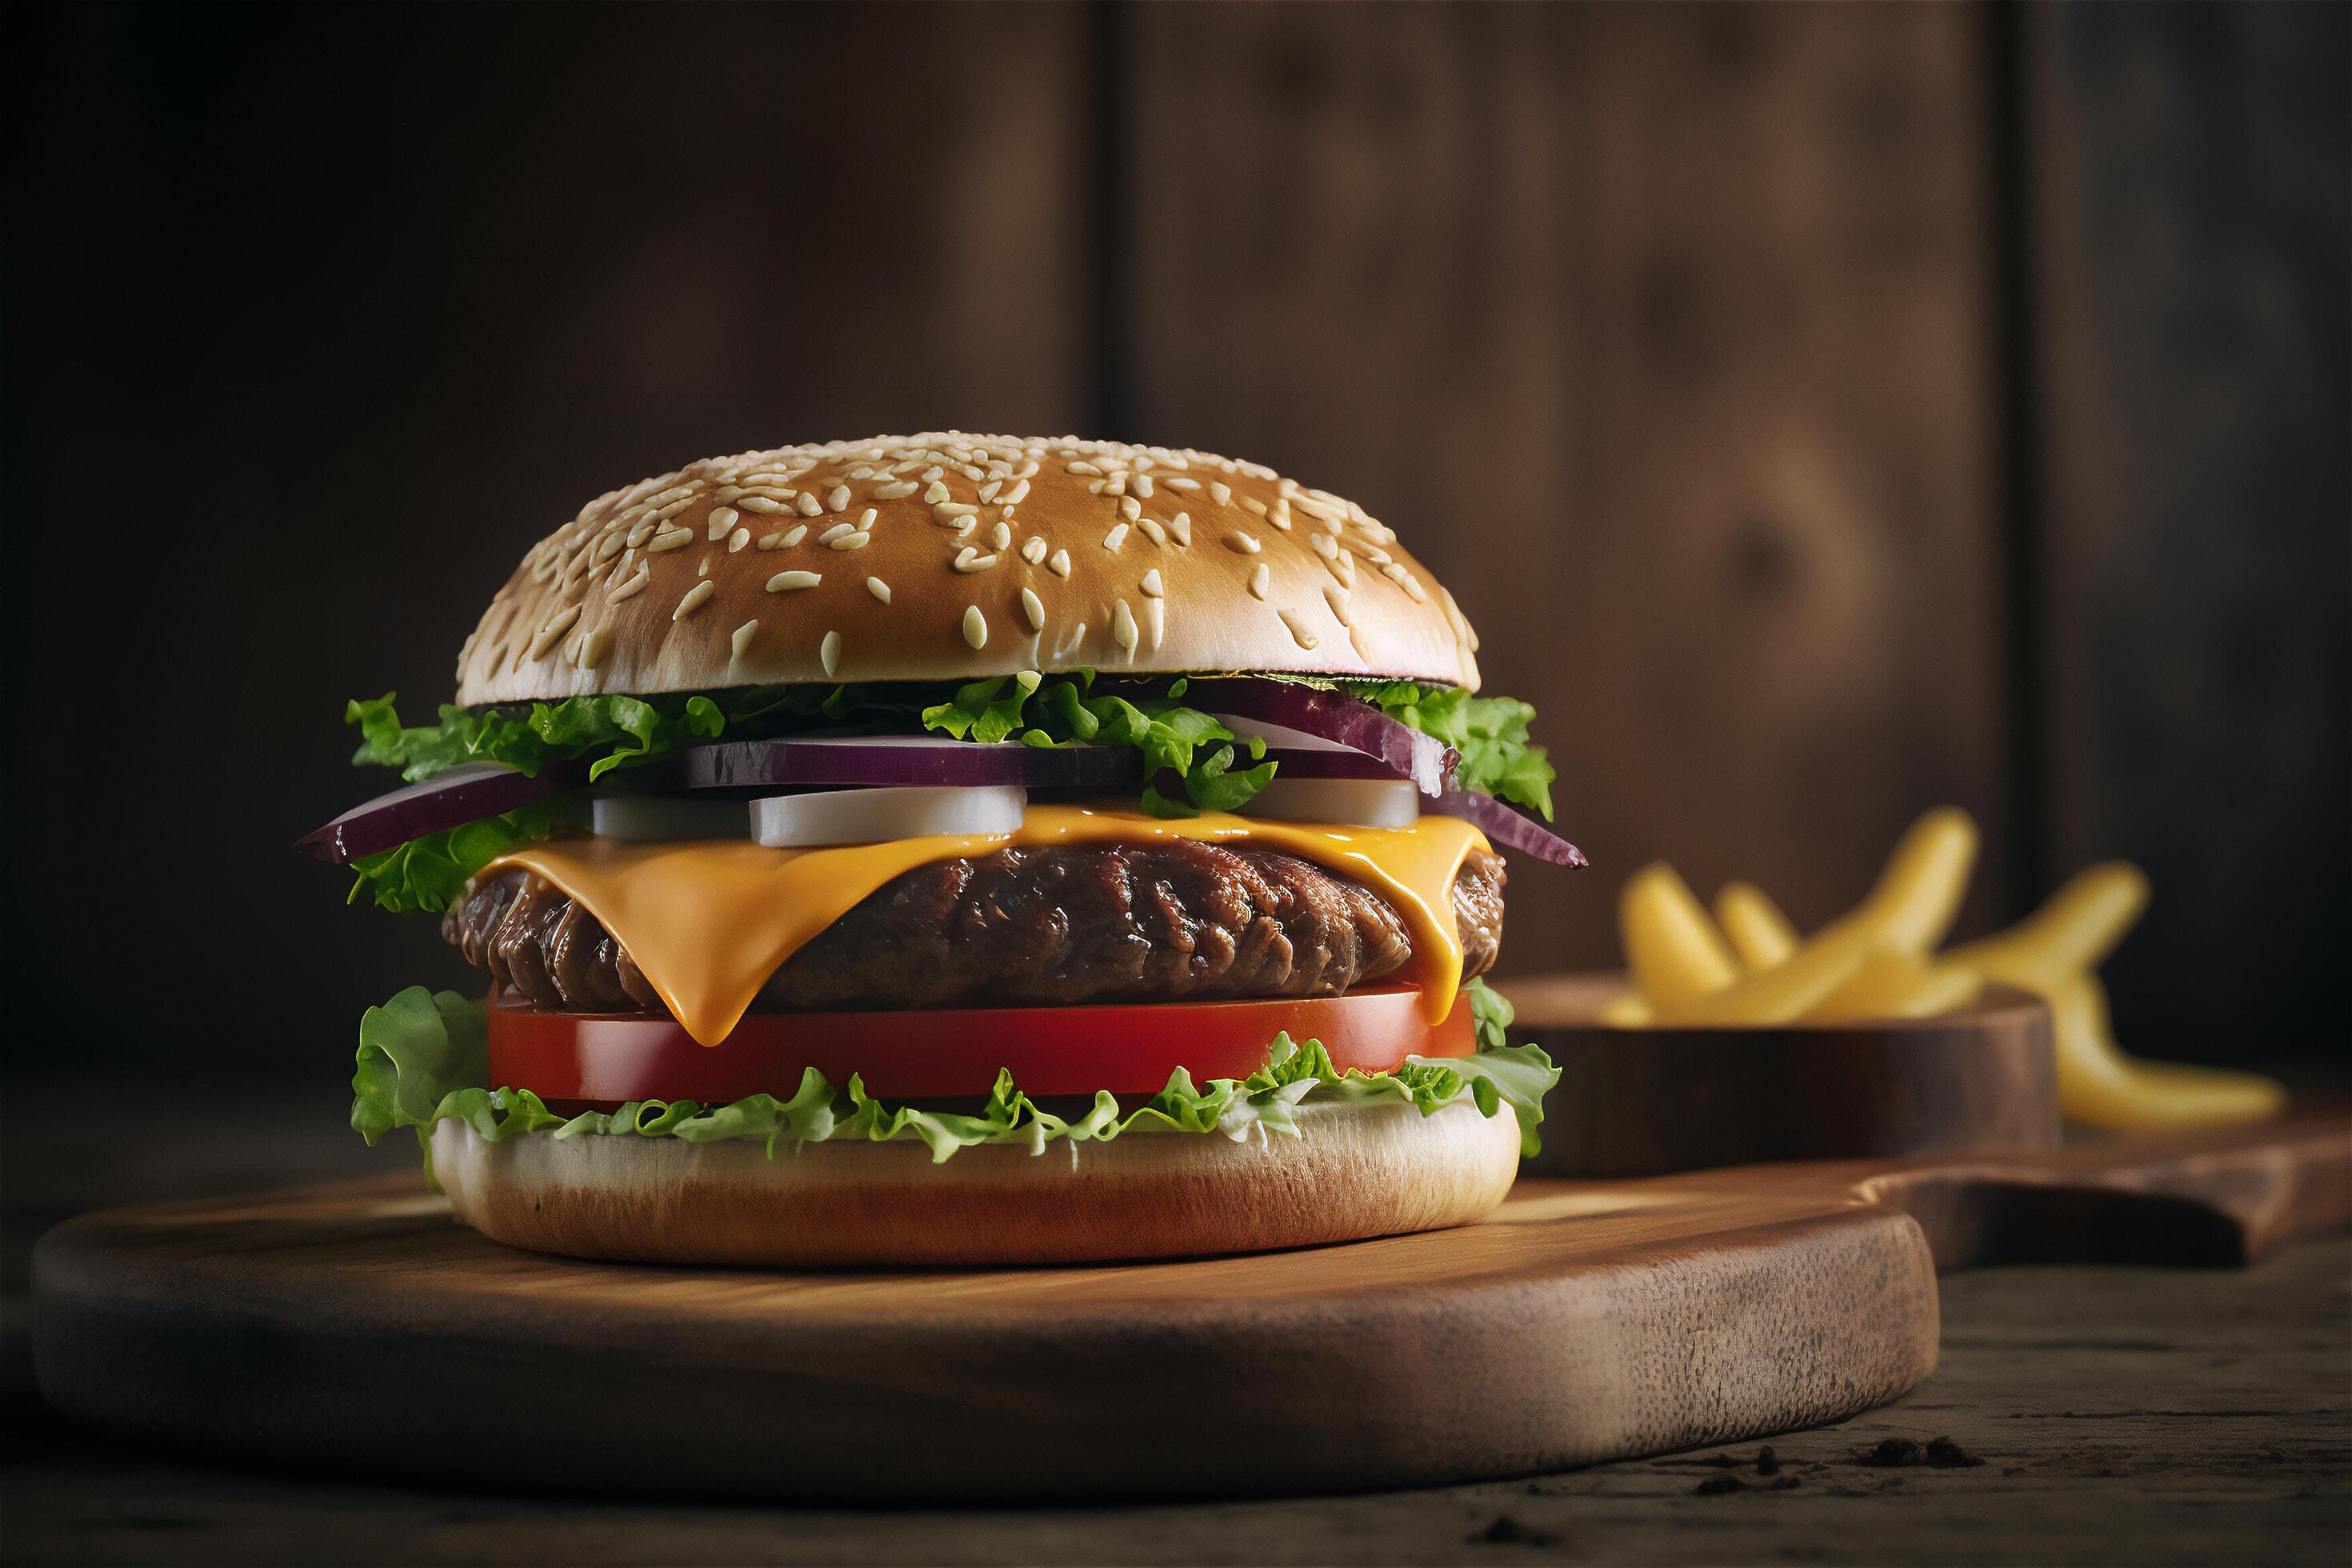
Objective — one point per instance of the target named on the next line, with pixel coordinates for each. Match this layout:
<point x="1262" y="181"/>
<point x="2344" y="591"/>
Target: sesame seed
<point x="1220" y="492"/>
<point x="637" y="536"/>
<point x="1411" y="584"/>
<point x="951" y="512"/>
<point x="1299" y="633"/>
<point x="693" y="599"/>
<point x="633" y="587"/>
<point x="975" y="627"/>
<point x="722" y="517"/>
<point x="608" y="547"/>
<point x="1122" y="626"/>
<point x="1033" y="549"/>
<point x="1001" y="534"/>
<point x="593" y="646"/>
<point x="1251" y="503"/>
<point x="936" y="492"/>
<point x="1181" y="482"/>
<point x="969" y="560"/>
<point x="761" y="504"/>
<point x="740" y="638"/>
<point x="702" y="567"/>
<point x="1153" y="531"/>
<point x="1280" y="514"/>
<point x="669" y="539"/>
<point x="1084" y="467"/>
<point x="1336" y="597"/>
<point x="1343" y="568"/>
<point x="1322" y="544"/>
<point x="866" y="519"/>
<point x="1321" y="512"/>
<point x="1060" y="564"/>
<point x="1116" y="537"/>
<point x="786" y="582"/>
<point x="552" y="632"/>
<point x="808" y="504"/>
<point x="836" y="531"/>
<point x="1180" y="525"/>
<point x="1129" y="508"/>
<point x="726" y="492"/>
<point x="1259" y="579"/>
<point x="1152" y="585"/>
<point x="1115" y="485"/>
<point x="987" y="492"/>
<point x="1035" y="608"/>
<point x="1155" y="611"/>
<point x="1143" y="485"/>
<point x="837" y="499"/>
<point x="1018" y="493"/>
<point x="1373" y="554"/>
<point x="828" y="652"/>
<point x="857" y="539"/>
<point x="933" y="475"/>
<point x="1246" y="543"/>
<point x="895" y="490"/>
<point x="1028" y="680"/>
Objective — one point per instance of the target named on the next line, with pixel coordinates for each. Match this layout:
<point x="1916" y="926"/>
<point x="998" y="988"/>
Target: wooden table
<point x="2127" y="1416"/>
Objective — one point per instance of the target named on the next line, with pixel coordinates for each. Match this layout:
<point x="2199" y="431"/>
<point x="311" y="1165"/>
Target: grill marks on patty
<point x="1163" y="922"/>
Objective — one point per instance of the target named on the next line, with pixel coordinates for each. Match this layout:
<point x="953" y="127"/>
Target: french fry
<point x="1891" y="984"/>
<point x="1759" y="932"/>
<point x="1670" y="945"/>
<point x="2099" y="1085"/>
<point x="2073" y="931"/>
<point x="1912" y="904"/>
<point x="1780" y="995"/>
<point x="1631" y="1011"/>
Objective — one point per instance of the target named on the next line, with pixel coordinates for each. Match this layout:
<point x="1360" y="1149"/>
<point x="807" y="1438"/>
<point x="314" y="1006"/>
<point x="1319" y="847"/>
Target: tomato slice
<point x="605" y="1058"/>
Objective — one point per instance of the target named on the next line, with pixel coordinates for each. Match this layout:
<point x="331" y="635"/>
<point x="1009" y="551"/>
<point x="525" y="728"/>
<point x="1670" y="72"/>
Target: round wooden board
<point x="355" y="1326"/>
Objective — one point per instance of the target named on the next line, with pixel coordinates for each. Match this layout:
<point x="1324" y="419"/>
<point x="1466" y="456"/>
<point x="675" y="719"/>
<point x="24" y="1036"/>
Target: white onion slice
<point x="665" y="818"/>
<point x="1278" y="734"/>
<point x="876" y="815"/>
<point x="1356" y="803"/>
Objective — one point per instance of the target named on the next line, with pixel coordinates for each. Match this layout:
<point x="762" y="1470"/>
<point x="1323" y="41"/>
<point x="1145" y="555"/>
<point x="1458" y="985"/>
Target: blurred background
<point x="1824" y="412"/>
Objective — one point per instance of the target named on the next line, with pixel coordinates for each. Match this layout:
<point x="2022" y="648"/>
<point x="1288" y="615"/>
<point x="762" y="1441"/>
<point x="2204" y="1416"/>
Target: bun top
<point x="949" y="557"/>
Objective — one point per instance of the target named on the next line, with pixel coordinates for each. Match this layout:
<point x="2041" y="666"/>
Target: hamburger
<point x="957" y="850"/>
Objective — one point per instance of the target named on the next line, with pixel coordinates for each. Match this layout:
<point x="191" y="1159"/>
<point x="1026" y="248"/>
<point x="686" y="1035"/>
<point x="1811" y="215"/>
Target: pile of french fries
<point x="1744" y="964"/>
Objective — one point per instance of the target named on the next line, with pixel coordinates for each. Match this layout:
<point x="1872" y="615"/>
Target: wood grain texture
<point x="1582" y="1322"/>
<point x="1638" y="1102"/>
<point x="2188" y="166"/>
<point x="1571" y="1327"/>
<point x="1663" y="332"/>
<point x="2125" y="1415"/>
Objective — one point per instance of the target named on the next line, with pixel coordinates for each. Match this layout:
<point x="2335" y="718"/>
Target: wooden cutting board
<point x="353" y="1326"/>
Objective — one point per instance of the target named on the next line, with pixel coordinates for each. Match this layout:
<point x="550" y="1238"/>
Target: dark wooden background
<point x="1824" y="412"/>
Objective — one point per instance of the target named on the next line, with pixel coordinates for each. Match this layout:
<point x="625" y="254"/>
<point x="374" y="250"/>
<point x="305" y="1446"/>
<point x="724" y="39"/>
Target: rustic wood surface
<point x="2124" y="1415"/>
<point x="1636" y="1102"/>
<point x="1579" y="1323"/>
<point x="1583" y="1321"/>
<point x="1665" y="334"/>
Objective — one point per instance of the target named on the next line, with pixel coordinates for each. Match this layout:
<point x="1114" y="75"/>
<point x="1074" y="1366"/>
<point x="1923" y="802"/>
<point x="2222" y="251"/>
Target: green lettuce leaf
<point x="1491" y="733"/>
<point x="423" y="1059"/>
<point x="430" y="873"/>
<point x="614" y="731"/>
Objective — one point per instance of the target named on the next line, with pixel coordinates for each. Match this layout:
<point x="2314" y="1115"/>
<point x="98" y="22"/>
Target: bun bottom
<point x="1354" y="1171"/>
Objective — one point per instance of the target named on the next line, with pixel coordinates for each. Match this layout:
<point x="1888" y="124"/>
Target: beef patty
<point x="1162" y="922"/>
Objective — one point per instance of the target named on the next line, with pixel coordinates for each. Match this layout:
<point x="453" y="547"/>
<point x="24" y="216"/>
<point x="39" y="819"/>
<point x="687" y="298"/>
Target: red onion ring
<point x="1508" y="826"/>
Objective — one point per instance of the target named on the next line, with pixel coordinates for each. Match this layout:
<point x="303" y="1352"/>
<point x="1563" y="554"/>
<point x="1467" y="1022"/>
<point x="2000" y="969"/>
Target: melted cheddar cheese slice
<point x="707" y="921"/>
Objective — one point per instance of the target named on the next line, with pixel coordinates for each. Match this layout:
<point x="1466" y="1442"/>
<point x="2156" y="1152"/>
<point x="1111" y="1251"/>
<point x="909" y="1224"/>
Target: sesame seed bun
<point x="1355" y="1170"/>
<point x="947" y="556"/>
